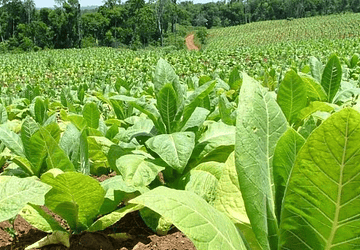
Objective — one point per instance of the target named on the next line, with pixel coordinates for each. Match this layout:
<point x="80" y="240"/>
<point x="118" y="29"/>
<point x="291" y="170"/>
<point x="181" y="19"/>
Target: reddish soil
<point x="189" y="40"/>
<point x="140" y="237"/>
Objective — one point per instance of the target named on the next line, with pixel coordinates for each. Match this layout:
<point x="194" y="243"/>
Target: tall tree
<point x="73" y="26"/>
<point x="160" y="6"/>
<point x="29" y="6"/>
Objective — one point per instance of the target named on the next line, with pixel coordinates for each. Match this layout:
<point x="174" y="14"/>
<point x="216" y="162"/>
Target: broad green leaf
<point x="44" y="145"/>
<point x="24" y="164"/>
<point x="112" y="131"/>
<point x="229" y="201"/>
<point x="321" y="203"/>
<point x="137" y="170"/>
<point x="306" y="129"/>
<point x="314" y="90"/>
<point x="66" y="98"/>
<point x="354" y="61"/>
<point x="284" y="157"/>
<point x="39" y="219"/>
<point x="292" y="96"/>
<point x="166" y="104"/>
<point x="118" y="107"/>
<point x="98" y="148"/>
<point x="346" y="95"/>
<point x="175" y="149"/>
<point x="204" y="79"/>
<point x="196" y="119"/>
<point x="229" y="198"/>
<point x="140" y="128"/>
<point x="3" y="114"/>
<point x="117" y="183"/>
<point x="40" y="110"/>
<point x="316" y="68"/>
<point x="91" y="115"/>
<point x="202" y="180"/>
<point x="16" y="192"/>
<point x="260" y="123"/>
<point x="14" y="170"/>
<point x="70" y="143"/>
<point x="12" y="141"/>
<point x="103" y="143"/>
<point x="194" y="100"/>
<point x="110" y="219"/>
<point x="28" y="128"/>
<point x="226" y="110"/>
<point x="148" y="109"/>
<point x="50" y="120"/>
<point x="84" y="164"/>
<point x="206" y="227"/>
<point x="116" y="189"/>
<point x="81" y="95"/>
<point x="78" y="121"/>
<point x="114" y="153"/>
<point x="314" y="107"/>
<point x="218" y="138"/>
<point x="54" y="131"/>
<point x="95" y="132"/>
<point x="75" y="197"/>
<point x="235" y="79"/>
<point x="155" y="221"/>
<point x="122" y="83"/>
<point x="102" y="127"/>
<point x="221" y="84"/>
<point x="331" y="77"/>
<point x="164" y="74"/>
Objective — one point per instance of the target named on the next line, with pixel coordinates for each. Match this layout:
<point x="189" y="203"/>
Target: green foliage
<point x="176" y="122"/>
<point x="292" y="96"/>
<point x="331" y="77"/>
<point x="330" y="191"/>
<point x="214" y="225"/>
<point x="260" y="123"/>
<point x="202" y="34"/>
<point x="285" y="153"/>
<point x="17" y="192"/>
<point x="175" y="149"/>
<point x="78" y="203"/>
<point x="331" y="28"/>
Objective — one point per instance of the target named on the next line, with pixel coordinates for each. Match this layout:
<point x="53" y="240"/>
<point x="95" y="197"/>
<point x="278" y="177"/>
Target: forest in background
<point x="136" y="23"/>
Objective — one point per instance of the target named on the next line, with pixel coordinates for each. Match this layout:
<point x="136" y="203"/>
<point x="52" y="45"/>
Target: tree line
<point x="137" y="23"/>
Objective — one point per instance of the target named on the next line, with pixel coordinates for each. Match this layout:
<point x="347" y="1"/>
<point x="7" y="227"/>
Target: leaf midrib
<point x="338" y="199"/>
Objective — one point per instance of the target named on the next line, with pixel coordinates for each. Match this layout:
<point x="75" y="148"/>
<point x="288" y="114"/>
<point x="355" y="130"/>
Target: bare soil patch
<point x="140" y="237"/>
<point x="190" y="42"/>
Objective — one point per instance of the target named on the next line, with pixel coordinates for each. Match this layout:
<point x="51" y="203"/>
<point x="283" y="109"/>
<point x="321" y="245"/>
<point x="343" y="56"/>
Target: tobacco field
<point x="239" y="147"/>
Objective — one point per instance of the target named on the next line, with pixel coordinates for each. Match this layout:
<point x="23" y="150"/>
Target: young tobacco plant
<point x="79" y="200"/>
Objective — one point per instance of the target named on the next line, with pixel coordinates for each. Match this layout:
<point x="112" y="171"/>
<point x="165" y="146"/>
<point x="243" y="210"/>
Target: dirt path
<point x="190" y="42"/>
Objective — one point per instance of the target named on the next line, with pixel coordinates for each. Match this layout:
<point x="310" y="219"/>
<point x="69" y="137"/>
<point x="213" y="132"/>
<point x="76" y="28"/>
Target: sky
<point x="51" y="3"/>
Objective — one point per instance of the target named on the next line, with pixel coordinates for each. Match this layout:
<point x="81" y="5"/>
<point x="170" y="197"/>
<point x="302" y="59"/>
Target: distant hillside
<point x="338" y="26"/>
<point x="92" y="7"/>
